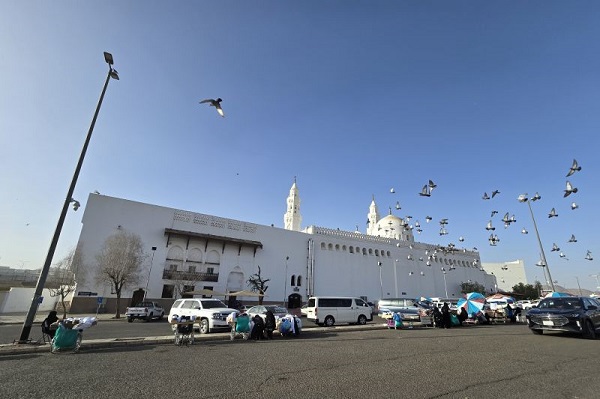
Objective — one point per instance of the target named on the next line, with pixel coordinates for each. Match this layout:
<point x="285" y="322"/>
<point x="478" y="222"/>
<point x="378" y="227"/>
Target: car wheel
<point x="588" y="330"/>
<point x="362" y="320"/>
<point x="329" y="321"/>
<point x="149" y="317"/>
<point x="204" y="327"/>
<point x="130" y="320"/>
<point x="162" y="315"/>
<point x="537" y="332"/>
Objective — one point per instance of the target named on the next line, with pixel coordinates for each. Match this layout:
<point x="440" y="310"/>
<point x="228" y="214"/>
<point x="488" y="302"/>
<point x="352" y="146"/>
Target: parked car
<point x="579" y="315"/>
<point x="329" y="310"/>
<point x="261" y="310"/>
<point x="210" y="314"/>
<point x="303" y="310"/>
<point x="146" y="310"/>
<point x="525" y="304"/>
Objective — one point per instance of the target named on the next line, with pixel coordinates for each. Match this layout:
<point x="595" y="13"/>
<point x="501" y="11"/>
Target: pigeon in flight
<point x="425" y="191"/>
<point x="461" y="239"/>
<point x="397" y="204"/>
<point x="432" y="185"/>
<point x="443" y="222"/>
<point x="489" y="226"/>
<point x="524" y="231"/>
<point x="589" y="255"/>
<point x="574" y="168"/>
<point x="428" y="219"/>
<point x="555" y="248"/>
<point x="552" y="213"/>
<point x="570" y="189"/>
<point x="572" y="239"/>
<point x="562" y="255"/>
<point x="214" y="103"/>
<point x="574" y="206"/>
<point x="392" y="190"/>
<point x="493" y="213"/>
<point x="494" y="193"/>
<point x="536" y="197"/>
<point x="485" y="196"/>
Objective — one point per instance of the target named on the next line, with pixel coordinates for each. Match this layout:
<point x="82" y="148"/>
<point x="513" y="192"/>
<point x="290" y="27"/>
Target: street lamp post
<point x="149" y="273"/>
<point x="396" y="276"/>
<point x="285" y="282"/>
<point x="577" y="278"/>
<point x="112" y="73"/>
<point x="445" y="286"/>
<point x="524" y="198"/>
<point x="380" y="278"/>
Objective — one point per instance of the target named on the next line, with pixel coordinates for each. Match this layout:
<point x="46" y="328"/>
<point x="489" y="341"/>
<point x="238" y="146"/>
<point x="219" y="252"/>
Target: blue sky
<point x="352" y="97"/>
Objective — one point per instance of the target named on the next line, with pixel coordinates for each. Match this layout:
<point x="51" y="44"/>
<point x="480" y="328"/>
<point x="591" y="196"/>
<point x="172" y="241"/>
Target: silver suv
<point x="210" y="314"/>
<point x="408" y="308"/>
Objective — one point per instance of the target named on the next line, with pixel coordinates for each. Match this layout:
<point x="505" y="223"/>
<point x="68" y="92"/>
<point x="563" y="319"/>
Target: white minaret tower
<point x="372" y="218"/>
<point x="292" y="218"/>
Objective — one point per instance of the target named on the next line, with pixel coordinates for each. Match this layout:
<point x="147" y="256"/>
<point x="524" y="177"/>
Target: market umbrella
<point x="245" y="293"/>
<point x="555" y="294"/>
<point x="206" y="292"/>
<point x="424" y="299"/>
<point x="472" y="303"/>
<point x="500" y="298"/>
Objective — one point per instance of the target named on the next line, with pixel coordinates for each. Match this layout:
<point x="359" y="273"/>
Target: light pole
<point x="112" y="73"/>
<point x="445" y="286"/>
<point x="380" y="278"/>
<point x="577" y="278"/>
<point x="149" y="273"/>
<point x="396" y="277"/>
<point x="285" y="282"/>
<point x="524" y="198"/>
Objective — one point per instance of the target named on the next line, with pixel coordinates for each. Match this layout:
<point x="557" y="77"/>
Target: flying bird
<point x="397" y="204"/>
<point x="493" y="213"/>
<point x="432" y="185"/>
<point x="555" y="248"/>
<point x="574" y="206"/>
<point x="589" y="255"/>
<point x="392" y="190"/>
<point x="495" y="192"/>
<point x="214" y="103"/>
<point x="485" y="196"/>
<point x="428" y="219"/>
<point x="552" y="213"/>
<point x="536" y="197"/>
<point x="524" y="231"/>
<point x="572" y="239"/>
<point x="570" y="189"/>
<point x="489" y="226"/>
<point x="461" y="239"/>
<point x="574" y="168"/>
<point x="562" y="255"/>
<point x="425" y="191"/>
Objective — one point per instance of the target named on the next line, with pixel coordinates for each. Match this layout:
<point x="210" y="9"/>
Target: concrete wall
<point x="18" y="300"/>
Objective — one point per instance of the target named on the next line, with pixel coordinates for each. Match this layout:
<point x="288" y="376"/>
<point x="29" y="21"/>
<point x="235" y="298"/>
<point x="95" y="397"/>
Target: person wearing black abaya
<point x="269" y="324"/>
<point x="446" y="321"/>
<point x="52" y="318"/>
<point x="437" y="317"/>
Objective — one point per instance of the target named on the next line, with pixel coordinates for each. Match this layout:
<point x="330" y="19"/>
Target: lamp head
<point x="108" y="58"/>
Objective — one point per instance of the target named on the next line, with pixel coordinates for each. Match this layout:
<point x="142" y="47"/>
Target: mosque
<point x="188" y="251"/>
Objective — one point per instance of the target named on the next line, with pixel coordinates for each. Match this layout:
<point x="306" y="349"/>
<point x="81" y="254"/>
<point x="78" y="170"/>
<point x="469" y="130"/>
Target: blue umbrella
<point x="472" y="303"/>
<point x="556" y="294"/>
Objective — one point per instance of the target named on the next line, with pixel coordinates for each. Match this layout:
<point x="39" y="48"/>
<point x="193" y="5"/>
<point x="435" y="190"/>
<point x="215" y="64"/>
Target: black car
<point x="579" y="315"/>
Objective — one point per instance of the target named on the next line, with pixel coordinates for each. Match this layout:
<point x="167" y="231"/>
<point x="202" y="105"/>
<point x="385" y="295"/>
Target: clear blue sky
<point x="352" y="97"/>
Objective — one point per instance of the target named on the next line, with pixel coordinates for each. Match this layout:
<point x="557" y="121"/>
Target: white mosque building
<point x="215" y="253"/>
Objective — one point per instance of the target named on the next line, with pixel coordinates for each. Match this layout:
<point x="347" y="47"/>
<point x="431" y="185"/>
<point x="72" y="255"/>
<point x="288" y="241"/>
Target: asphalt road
<point x="471" y="362"/>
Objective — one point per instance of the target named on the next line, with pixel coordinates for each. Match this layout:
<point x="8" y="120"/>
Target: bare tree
<point x="258" y="284"/>
<point x="64" y="276"/>
<point x="120" y="263"/>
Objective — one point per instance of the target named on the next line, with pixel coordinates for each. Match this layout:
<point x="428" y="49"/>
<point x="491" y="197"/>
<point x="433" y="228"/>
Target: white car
<point x="526" y="304"/>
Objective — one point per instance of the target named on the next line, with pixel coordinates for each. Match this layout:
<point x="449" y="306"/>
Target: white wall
<point x="18" y="300"/>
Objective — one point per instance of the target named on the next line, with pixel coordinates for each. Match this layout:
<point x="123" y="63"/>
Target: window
<point x="168" y="291"/>
<point x="293" y="280"/>
<point x="192" y="269"/>
<point x="210" y="270"/>
<point x="299" y="281"/>
<point x="173" y="268"/>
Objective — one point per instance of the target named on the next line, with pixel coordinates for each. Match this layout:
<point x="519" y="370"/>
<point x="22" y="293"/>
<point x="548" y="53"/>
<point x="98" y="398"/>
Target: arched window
<point x="293" y="280"/>
<point x="322" y="245"/>
<point x="351" y="250"/>
<point x="299" y="281"/>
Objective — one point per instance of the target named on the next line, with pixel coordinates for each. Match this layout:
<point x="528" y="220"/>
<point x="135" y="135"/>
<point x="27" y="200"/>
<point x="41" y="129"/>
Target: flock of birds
<point x="507" y="220"/>
<point x="493" y="238"/>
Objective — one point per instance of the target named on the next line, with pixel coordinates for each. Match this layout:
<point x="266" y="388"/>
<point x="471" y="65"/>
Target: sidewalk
<point x="19" y="318"/>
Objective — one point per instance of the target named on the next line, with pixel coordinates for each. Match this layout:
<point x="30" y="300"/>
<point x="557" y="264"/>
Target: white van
<point x="329" y="310"/>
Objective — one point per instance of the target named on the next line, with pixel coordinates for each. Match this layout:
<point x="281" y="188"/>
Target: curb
<point x="12" y="349"/>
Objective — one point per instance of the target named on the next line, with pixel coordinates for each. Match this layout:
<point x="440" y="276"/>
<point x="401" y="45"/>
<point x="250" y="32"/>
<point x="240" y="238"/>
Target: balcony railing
<point x="189" y="276"/>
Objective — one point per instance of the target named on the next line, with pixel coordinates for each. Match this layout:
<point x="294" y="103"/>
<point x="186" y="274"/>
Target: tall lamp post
<point x="577" y="278"/>
<point x="285" y="282"/>
<point x="396" y="276"/>
<point x="380" y="278"/>
<point x="149" y="273"/>
<point x="112" y="73"/>
<point x="524" y="198"/>
<point x="445" y="285"/>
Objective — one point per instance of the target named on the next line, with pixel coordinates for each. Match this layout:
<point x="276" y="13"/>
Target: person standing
<point x="269" y="324"/>
<point x="446" y="320"/>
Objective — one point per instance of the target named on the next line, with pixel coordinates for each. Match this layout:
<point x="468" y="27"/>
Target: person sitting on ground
<point x="446" y="319"/>
<point x="462" y="315"/>
<point x="47" y="327"/>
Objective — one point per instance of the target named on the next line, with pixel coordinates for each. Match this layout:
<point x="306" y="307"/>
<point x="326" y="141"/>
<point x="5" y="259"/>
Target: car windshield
<point x="144" y="304"/>
<point x="213" y="304"/>
<point x="560" y="303"/>
<point x="276" y="309"/>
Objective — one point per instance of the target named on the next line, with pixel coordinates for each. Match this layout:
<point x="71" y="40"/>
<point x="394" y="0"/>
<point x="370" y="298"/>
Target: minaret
<point x="372" y="217"/>
<point x="292" y="218"/>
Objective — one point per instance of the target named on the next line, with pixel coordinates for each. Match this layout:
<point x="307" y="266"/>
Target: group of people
<point x="260" y="329"/>
<point x="443" y="318"/>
